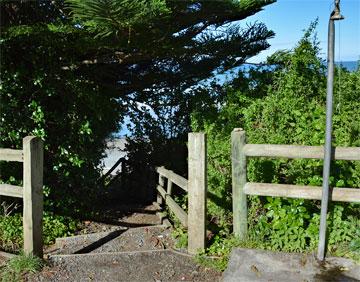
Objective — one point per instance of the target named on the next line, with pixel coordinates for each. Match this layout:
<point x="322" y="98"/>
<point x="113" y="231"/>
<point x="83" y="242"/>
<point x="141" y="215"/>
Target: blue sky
<point x="288" y="19"/>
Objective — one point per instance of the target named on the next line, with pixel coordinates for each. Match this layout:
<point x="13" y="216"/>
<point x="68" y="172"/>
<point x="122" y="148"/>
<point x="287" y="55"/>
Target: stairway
<point x="123" y="253"/>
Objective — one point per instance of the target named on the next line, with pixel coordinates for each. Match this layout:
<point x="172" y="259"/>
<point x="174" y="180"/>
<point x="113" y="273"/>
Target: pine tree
<point x="112" y="17"/>
<point x="159" y="44"/>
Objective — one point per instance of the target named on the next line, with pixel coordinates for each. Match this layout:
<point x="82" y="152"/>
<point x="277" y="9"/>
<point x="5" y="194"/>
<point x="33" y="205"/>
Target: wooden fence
<point x="31" y="192"/>
<point x="241" y="188"/>
<point x="196" y="187"/>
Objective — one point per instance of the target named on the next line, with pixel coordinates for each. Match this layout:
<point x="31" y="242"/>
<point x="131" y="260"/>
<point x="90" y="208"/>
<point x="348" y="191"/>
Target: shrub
<point x="54" y="226"/>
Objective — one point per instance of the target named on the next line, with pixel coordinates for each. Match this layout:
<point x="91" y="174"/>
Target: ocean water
<point x="349" y="65"/>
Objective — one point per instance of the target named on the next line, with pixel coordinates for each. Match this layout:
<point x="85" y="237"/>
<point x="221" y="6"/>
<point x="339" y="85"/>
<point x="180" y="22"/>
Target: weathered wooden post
<point x="169" y="187"/>
<point x="159" y="199"/>
<point x="33" y="195"/>
<point x="238" y="161"/>
<point x="197" y="188"/>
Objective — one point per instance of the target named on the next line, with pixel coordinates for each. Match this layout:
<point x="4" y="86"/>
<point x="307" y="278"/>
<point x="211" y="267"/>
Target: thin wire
<point x="338" y="106"/>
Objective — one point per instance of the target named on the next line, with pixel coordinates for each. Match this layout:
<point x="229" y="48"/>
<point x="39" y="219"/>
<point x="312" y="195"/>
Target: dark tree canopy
<point x="179" y="44"/>
<point x="76" y="68"/>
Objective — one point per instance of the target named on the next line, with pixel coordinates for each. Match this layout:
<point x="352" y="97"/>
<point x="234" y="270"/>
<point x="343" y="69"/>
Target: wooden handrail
<point x="196" y="187"/>
<point x="173" y="177"/>
<point x="300" y="152"/>
<point x="119" y="161"/>
<point x="174" y="207"/>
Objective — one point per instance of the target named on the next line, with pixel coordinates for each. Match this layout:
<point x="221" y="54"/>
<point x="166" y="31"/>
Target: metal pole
<point x="335" y="15"/>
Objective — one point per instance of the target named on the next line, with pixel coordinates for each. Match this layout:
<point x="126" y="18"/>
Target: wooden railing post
<point x="169" y="187"/>
<point x="238" y="161"/>
<point x="197" y="188"/>
<point x="33" y="195"/>
<point x="159" y="199"/>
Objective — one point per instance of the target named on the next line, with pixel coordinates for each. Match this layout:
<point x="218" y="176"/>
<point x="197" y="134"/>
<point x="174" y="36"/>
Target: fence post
<point x="159" y="199"/>
<point x="33" y="195"/>
<point x="169" y="187"/>
<point x="197" y="189"/>
<point x="238" y="161"/>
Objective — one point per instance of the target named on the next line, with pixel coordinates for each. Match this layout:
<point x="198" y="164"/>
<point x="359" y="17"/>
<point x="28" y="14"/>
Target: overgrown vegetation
<point x="288" y="110"/>
<point x="54" y="226"/>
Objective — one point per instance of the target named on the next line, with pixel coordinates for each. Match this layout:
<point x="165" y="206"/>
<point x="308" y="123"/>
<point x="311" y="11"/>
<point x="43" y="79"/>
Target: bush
<point x="54" y="226"/>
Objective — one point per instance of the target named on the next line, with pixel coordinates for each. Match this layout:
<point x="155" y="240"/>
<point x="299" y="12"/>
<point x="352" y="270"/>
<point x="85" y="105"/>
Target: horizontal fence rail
<point x="301" y="192"/>
<point x="11" y="191"/>
<point x="174" y="207"/>
<point x="174" y="178"/>
<point x="11" y="155"/>
<point x="242" y="188"/>
<point x="31" y="192"/>
<point x="180" y="181"/>
<point x="300" y="152"/>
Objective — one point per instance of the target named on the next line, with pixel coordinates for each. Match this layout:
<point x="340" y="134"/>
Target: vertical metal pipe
<point x="328" y="134"/>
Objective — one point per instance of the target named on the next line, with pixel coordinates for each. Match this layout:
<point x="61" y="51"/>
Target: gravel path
<point x="162" y="265"/>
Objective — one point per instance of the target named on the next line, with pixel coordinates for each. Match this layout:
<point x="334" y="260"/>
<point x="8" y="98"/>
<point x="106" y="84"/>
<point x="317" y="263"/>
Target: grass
<point x="18" y="266"/>
<point x="348" y="250"/>
<point x="217" y="255"/>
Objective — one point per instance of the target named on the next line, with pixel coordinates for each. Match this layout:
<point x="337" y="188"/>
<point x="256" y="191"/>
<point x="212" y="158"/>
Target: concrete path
<point x="258" y="265"/>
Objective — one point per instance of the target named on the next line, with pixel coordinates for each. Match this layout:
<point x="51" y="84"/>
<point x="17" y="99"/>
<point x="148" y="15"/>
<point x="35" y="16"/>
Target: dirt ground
<point x="156" y="266"/>
<point x="122" y="215"/>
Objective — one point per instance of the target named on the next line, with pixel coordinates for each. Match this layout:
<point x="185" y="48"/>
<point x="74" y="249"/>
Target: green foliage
<point x="55" y="226"/>
<point x="293" y="225"/>
<point x="112" y="16"/>
<point x="288" y="109"/>
<point x="71" y="90"/>
<point x="181" y="237"/>
<point x="19" y="266"/>
<point x="181" y="43"/>
<point x="11" y="230"/>
<point x="293" y="113"/>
